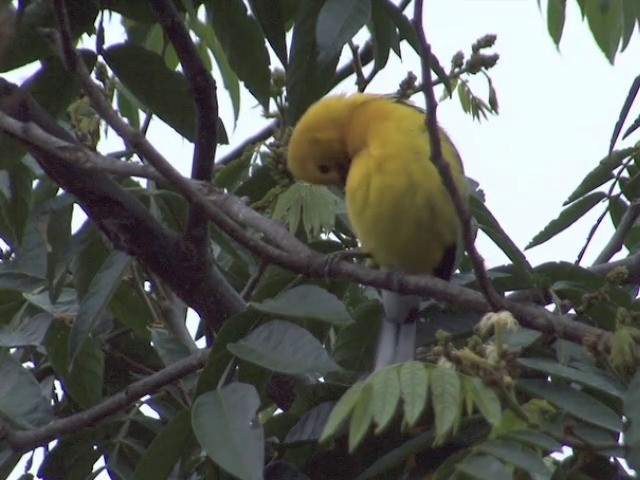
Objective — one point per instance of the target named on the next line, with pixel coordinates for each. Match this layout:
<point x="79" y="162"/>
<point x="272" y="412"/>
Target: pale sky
<point x="557" y="111"/>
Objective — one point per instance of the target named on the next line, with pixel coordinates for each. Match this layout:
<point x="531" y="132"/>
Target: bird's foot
<point x="332" y="258"/>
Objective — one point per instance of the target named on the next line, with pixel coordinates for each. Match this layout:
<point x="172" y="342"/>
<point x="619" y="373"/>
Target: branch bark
<point x="286" y="251"/>
<point x="121" y="216"/>
<point x="431" y="122"/>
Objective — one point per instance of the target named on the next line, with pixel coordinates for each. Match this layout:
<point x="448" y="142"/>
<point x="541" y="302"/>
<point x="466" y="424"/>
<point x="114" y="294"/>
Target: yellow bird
<point x="378" y="149"/>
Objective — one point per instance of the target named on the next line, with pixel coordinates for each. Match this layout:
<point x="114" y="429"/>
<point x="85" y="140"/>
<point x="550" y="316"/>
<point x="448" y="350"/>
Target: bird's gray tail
<point x="397" y="340"/>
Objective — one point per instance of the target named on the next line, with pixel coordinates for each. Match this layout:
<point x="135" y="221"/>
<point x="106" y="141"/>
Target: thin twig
<point x="443" y="167"/>
<point x="25" y="440"/>
<point x="257" y="137"/>
<point x="357" y="66"/>
<point x="616" y="241"/>
<point x="252" y="283"/>
<point x="599" y="220"/>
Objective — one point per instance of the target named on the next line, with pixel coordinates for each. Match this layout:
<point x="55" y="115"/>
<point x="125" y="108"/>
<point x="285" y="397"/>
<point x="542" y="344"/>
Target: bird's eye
<point x="324" y="168"/>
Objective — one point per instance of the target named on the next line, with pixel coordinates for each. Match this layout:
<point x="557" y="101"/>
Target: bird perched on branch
<point x="378" y="149"/>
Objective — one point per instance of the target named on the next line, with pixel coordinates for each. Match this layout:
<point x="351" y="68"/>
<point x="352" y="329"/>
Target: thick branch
<point x="25" y="440"/>
<point x="204" y="270"/>
<point x="118" y="213"/>
<point x="203" y="89"/>
<point x="293" y="255"/>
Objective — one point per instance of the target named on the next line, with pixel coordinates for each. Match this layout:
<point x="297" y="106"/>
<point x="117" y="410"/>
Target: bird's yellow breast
<point x="397" y="204"/>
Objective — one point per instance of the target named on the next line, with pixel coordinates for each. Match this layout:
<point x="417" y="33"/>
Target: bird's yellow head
<point x="318" y="149"/>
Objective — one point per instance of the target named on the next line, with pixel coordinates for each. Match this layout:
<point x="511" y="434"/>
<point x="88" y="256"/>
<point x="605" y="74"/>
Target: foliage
<point x="93" y="311"/>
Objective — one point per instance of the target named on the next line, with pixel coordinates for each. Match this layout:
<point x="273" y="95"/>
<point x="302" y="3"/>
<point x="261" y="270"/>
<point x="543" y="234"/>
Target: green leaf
<point x="95" y="301"/>
<point x="59" y="212"/>
<point x="414" y="386"/>
<point x="21" y="400"/>
<point x="17" y="213"/>
<point x="243" y="43"/>
<point x="338" y="22"/>
<point x="233" y="330"/>
<point x="631" y="409"/>
<point x="354" y="346"/>
<point x="485" y="399"/>
<point x="624" y="112"/>
<point x="229" y="78"/>
<point x="224" y="423"/>
<point x="482" y="467"/>
<point x="28" y="44"/>
<point x="66" y="303"/>
<point x="361" y="418"/>
<point x="489" y="225"/>
<point x="446" y="399"/>
<point x="167" y="96"/>
<point x="397" y="456"/>
<point x="341" y="411"/>
<point x="599" y="175"/>
<point x="306" y="80"/>
<point x="130" y="307"/>
<point x="53" y="86"/>
<point x="534" y="439"/>
<point x="555" y="19"/>
<point x="574" y="402"/>
<point x="310" y="426"/>
<point x="382" y="33"/>
<point x="315" y="205"/>
<point x="270" y="17"/>
<point x="166" y="449"/>
<point x="307" y="302"/>
<point x="170" y="349"/>
<point x="26" y="332"/>
<point x="601" y="382"/>
<point x="405" y="28"/>
<point x="385" y="386"/>
<point x="518" y="456"/>
<point x="128" y="107"/>
<point x="84" y="380"/>
<point x="72" y="457"/>
<point x="567" y="217"/>
<point x="87" y="374"/>
<point x="630" y="22"/>
<point x="605" y="19"/>
<point x="284" y="347"/>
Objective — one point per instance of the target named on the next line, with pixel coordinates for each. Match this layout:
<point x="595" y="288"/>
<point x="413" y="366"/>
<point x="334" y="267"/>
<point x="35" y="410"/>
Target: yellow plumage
<point x="378" y="149"/>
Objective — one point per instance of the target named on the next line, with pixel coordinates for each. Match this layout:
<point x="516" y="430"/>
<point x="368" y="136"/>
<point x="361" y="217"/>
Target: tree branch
<point x="616" y="241"/>
<point x="25" y="440"/>
<point x="295" y="256"/>
<point x="203" y="89"/>
<point x="118" y="213"/>
<point x="443" y="168"/>
<point x="257" y="137"/>
<point x="140" y="144"/>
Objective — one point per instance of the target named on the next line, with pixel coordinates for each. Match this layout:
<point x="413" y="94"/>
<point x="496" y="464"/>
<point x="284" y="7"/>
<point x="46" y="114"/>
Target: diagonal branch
<point x="616" y="241"/>
<point x="295" y="256"/>
<point x="25" y="440"/>
<point x="443" y="168"/>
